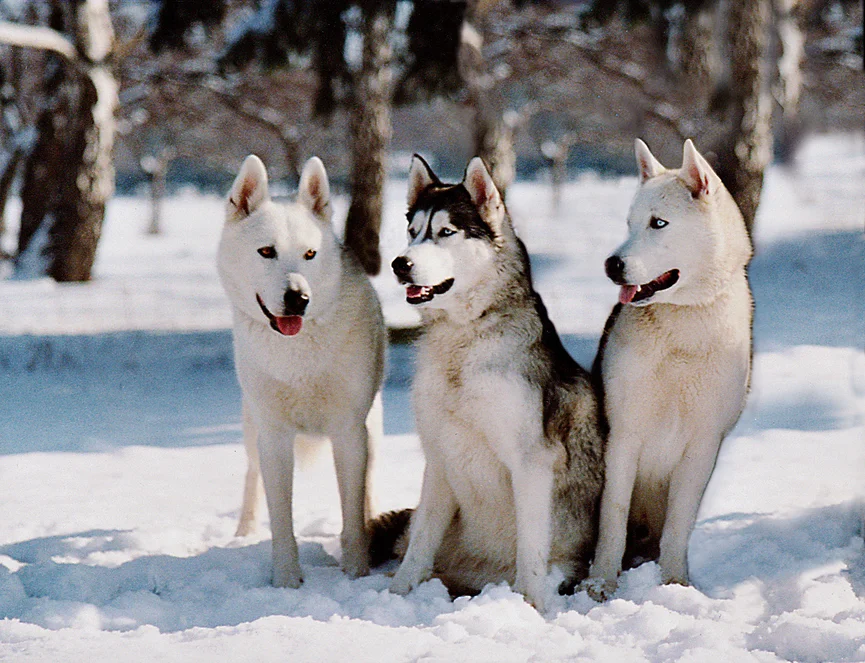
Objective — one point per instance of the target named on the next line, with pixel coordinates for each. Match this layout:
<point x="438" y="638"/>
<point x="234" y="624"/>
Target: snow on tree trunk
<point x="370" y="131"/>
<point x="788" y="87"/>
<point x="748" y="148"/>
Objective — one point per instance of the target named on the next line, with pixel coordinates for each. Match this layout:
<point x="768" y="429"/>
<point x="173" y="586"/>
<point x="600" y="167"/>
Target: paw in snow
<point x="600" y="589"/>
<point x="406" y="580"/>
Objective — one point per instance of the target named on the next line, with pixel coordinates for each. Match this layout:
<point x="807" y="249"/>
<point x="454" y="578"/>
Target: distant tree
<point x="350" y="45"/>
<point x="68" y="171"/>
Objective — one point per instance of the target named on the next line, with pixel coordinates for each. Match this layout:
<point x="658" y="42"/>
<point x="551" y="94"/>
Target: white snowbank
<point x="121" y="464"/>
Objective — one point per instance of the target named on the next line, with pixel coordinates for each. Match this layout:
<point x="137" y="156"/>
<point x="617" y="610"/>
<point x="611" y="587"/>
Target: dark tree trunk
<point x="370" y="129"/>
<point x="748" y="148"/>
<point x="69" y="175"/>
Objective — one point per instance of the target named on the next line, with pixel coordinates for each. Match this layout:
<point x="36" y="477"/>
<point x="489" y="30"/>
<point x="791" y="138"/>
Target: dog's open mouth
<point x="631" y="294"/>
<point x="287" y="325"/>
<point x="418" y="294"/>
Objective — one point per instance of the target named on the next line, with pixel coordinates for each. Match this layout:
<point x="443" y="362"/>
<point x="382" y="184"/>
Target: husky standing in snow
<point x="675" y="361"/>
<point x="508" y="422"/>
<point x="309" y="346"/>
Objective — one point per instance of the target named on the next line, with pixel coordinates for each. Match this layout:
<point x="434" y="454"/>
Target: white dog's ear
<point x="420" y="176"/>
<point x="647" y="164"/>
<point x="249" y="190"/>
<point x="695" y="170"/>
<point x="486" y="197"/>
<point x="314" y="190"/>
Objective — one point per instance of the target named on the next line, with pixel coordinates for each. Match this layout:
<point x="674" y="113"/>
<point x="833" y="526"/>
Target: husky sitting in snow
<point x="508" y="421"/>
<point x="675" y="361"/>
<point x="309" y="350"/>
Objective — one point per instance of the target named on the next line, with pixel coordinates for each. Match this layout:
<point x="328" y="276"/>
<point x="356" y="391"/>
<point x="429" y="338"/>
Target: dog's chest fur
<point x="676" y="373"/>
<point x="470" y="400"/>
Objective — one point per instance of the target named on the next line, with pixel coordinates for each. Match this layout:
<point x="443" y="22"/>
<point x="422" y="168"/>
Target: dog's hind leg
<point x="374" y="434"/>
<point x="252" y="488"/>
<point x="350" y="458"/>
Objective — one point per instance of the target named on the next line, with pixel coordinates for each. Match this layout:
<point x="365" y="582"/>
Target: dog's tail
<point x="385" y="533"/>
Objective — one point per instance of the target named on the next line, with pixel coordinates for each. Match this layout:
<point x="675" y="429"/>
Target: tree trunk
<point x="69" y="176"/>
<point x="370" y="130"/>
<point x="748" y="148"/>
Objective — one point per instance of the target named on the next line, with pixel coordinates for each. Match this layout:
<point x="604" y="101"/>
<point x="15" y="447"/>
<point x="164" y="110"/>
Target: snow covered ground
<point x="121" y="463"/>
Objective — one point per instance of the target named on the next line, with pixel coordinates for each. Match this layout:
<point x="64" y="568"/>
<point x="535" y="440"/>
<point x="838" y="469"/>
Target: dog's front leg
<point x="276" y="453"/>
<point x="350" y="457"/>
<point x="532" y="480"/>
<point x="430" y="521"/>
<point x="687" y="485"/>
<point x="620" y="460"/>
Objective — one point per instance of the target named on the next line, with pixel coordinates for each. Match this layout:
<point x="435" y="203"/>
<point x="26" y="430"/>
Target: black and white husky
<point x="508" y="421"/>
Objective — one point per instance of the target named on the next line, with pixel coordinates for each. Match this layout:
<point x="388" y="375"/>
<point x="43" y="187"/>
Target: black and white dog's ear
<point x="314" y="190"/>
<point x="647" y="165"/>
<point x="420" y="176"/>
<point x="696" y="171"/>
<point x="249" y="190"/>
<point x="484" y="194"/>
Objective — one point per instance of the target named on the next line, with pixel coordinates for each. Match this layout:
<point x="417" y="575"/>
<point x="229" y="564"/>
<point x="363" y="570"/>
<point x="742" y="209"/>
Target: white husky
<point x="309" y="342"/>
<point x="675" y="360"/>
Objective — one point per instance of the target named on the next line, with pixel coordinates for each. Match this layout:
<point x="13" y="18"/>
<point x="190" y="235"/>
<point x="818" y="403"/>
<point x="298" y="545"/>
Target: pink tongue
<point x="626" y="294"/>
<point x="289" y="325"/>
<point x="416" y="290"/>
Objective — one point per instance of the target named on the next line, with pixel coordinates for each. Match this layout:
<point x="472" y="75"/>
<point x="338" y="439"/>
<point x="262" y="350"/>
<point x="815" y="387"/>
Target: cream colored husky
<point x="309" y="351"/>
<point x="675" y="361"/>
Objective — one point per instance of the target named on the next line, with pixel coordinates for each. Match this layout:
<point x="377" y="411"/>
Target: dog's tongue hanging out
<point x="626" y="294"/>
<point x="289" y="325"/>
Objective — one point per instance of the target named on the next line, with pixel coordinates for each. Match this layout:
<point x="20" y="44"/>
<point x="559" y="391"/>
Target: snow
<point x="121" y="464"/>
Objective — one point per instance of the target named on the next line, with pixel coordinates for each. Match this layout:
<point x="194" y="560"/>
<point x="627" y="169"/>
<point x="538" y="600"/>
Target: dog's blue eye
<point x="267" y="252"/>
<point x="447" y="232"/>
<point x="657" y="223"/>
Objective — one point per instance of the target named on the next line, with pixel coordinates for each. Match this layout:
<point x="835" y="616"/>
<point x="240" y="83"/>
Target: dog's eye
<point x="309" y="255"/>
<point x="656" y="223"/>
<point x="267" y="252"/>
<point x="447" y="232"/>
<point x="412" y="232"/>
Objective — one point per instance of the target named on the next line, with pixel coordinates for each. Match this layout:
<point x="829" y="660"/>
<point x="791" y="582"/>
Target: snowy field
<point x="121" y="464"/>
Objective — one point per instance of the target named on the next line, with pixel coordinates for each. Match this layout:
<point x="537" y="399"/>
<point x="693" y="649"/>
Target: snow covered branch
<point x="34" y="36"/>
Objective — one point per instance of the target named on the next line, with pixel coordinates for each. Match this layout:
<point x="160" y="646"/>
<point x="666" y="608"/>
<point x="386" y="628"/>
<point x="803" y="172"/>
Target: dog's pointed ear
<point x="314" y="190"/>
<point x="420" y="176"/>
<point x="249" y="190"/>
<point x="484" y="194"/>
<point x="647" y="165"/>
<point x="695" y="171"/>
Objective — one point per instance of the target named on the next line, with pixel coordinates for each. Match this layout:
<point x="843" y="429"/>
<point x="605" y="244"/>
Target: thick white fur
<point x="480" y="421"/>
<point x="320" y="383"/>
<point x="675" y="367"/>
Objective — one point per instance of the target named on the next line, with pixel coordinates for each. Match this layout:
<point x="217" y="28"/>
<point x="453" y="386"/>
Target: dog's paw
<point x="533" y="589"/>
<point x="287" y="578"/>
<point x="356" y="566"/>
<point x="246" y="528"/>
<point x="599" y="589"/>
<point x="404" y="581"/>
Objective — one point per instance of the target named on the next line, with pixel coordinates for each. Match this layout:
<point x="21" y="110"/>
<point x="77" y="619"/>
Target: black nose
<point x="295" y="302"/>
<point x="615" y="268"/>
<point x="402" y="266"/>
